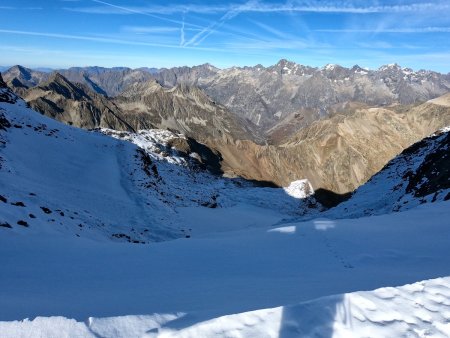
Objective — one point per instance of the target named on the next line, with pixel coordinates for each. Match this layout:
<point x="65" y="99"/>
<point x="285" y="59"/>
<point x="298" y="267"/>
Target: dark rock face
<point x="420" y="174"/>
<point x="2" y="83"/>
<point x="75" y="104"/>
<point x="6" y="95"/>
<point x="433" y="173"/>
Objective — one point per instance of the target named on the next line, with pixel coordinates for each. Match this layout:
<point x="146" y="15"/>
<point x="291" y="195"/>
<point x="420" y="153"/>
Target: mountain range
<point x="266" y="96"/>
<point x="334" y="126"/>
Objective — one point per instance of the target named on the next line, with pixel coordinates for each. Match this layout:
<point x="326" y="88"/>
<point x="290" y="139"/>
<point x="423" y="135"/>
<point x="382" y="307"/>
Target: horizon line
<point x="52" y="69"/>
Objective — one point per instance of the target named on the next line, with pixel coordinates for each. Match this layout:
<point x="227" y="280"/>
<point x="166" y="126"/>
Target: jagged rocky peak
<point x="284" y="67"/>
<point x="390" y="68"/>
<point x="141" y="88"/>
<point x="6" y="95"/>
<point x="285" y="63"/>
<point x="57" y="77"/>
<point x="59" y="84"/>
<point x="20" y="71"/>
<point x="331" y="66"/>
<point x="207" y="66"/>
<point x="187" y="89"/>
<point x="28" y="77"/>
<point x="360" y="70"/>
<point x="189" y="75"/>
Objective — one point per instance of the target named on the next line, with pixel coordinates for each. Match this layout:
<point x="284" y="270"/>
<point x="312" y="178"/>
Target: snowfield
<point x="101" y="238"/>
<point x="219" y="274"/>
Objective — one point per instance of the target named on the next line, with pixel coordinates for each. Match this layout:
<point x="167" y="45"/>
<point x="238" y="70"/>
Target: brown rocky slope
<point x="338" y="154"/>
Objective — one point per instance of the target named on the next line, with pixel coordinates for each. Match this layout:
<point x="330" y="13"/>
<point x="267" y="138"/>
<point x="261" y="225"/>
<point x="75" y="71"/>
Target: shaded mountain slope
<point x="185" y="109"/>
<point x="420" y="174"/>
<point x="74" y="104"/>
<point x="22" y="76"/>
<point x="337" y="154"/>
<point x="106" y="81"/>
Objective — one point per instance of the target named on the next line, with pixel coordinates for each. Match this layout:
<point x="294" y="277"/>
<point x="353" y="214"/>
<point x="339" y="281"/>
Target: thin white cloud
<point x="261" y="7"/>
<point x="348" y="7"/>
<point x="21" y="8"/>
<point x="207" y="31"/>
<point x="389" y="30"/>
<point x="111" y="40"/>
<point x="182" y="37"/>
<point x="155" y="9"/>
<point x="135" y="11"/>
<point x="149" y="29"/>
<point x="270" y="29"/>
<point x="279" y="44"/>
<point x="86" y="38"/>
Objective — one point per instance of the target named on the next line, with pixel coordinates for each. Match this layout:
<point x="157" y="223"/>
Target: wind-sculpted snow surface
<point x="416" y="310"/>
<point x="421" y="309"/>
<point x="218" y="274"/>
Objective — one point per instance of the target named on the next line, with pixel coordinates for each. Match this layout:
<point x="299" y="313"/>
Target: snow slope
<point x="58" y="178"/>
<point x="221" y="273"/>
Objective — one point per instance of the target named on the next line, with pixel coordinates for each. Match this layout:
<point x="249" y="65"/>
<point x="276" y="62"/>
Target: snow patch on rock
<point x="299" y="189"/>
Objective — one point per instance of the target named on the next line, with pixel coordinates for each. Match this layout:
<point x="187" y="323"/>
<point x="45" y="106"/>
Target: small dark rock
<point x="5" y="225"/>
<point x="18" y="204"/>
<point x="3" y="199"/>
<point x="46" y="210"/>
<point x="31" y="216"/>
<point x="23" y="223"/>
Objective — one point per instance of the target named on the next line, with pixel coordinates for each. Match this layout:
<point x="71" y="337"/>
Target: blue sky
<point x="166" y="33"/>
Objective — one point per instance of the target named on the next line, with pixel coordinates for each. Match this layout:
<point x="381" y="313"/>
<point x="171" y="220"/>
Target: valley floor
<point x="172" y="288"/>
